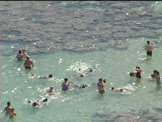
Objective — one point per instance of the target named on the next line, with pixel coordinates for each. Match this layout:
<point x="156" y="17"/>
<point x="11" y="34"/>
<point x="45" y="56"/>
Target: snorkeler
<point x="36" y="103"/>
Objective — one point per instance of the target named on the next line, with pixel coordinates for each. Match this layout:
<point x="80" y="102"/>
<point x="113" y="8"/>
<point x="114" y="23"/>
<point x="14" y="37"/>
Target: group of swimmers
<point x="101" y="82"/>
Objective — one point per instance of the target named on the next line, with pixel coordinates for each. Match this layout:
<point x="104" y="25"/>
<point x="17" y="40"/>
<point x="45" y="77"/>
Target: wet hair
<point x="81" y="75"/>
<point x="155" y="71"/>
<point x="12" y="109"/>
<point x="50" y="75"/>
<point x="148" y="42"/>
<point x="27" y="57"/>
<point x="8" y="103"/>
<point x="84" y="86"/>
<point x="90" y="70"/>
<point x="29" y="101"/>
<point x="65" y="79"/>
<point x="112" y="88"/>
<point x="100" y="79"/>
<point x="79" y="69"/>
<point x="121" y="90"/>
<point x="34" y="104"/>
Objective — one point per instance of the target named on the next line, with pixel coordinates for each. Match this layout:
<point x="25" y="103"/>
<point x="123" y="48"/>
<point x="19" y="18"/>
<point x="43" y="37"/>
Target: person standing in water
<point x="138" y="75"/>
<point x="101" y="86"/>
<point x="19" y="56"/>
<point x="149" y="48"/>
<point x="7" y="109"/>
<point x="12" y="114"/>
<point x="157" y="76"/>
<point x="65" y="84"/>
<point x="28" y="63"/>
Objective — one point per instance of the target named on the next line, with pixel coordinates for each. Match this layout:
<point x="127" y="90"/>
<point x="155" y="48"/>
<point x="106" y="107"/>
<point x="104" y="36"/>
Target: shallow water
<point x="77" y="105"/>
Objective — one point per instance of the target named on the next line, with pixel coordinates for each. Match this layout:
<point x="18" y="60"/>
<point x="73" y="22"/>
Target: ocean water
<point x="60" y="41"/>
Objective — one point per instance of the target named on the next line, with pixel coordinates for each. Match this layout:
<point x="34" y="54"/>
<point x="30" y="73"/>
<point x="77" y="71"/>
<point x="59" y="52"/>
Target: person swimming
<point x="76" y="86"/>
<point x="44" y="77"/>
<point x="36" y="103"/>
<point x="80" y="73"/>
<point x="117" y="89"/>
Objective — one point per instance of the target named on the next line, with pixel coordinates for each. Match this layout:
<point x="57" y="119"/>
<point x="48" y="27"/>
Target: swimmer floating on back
<point x="80" y="73"/>
<point x="117" y="89"/>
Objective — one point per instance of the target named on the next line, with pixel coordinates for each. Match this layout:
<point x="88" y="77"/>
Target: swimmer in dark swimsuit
<point x="76" y="86"/>
<point x="36" y="103"/>
<point x="138" y="75"/>
<point x="149" y="48"/>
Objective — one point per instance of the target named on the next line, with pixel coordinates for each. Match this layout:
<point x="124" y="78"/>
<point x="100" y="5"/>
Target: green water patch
<point x="157" y="6"/>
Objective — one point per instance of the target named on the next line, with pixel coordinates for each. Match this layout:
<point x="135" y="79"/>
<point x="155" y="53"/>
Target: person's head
<point x="104" y="80"/>
<point x="148" y="42"/>
<point x="8" y="103"/>
<point x="51" y="88"/>
<point x="19" y="51"/>
<point x="50" y="76"/>
<point x="131" y="73"/>
<point x="100" y="80"/>
<point x="137" y="67"/>
<point x="112" y="88"/>
<point x="155" y="71"/>
<point x="84" y="86"/>
<point x="12" y="109"/>
<point x="34" y="104"/>
<point x="81" y="75"/>
<point x="90" y="70"/>
<point x="65" y="79"/>
<point x="121" y="90"/>
<point x="27" y="57"/>
<point x="23" y="50"/>
<point x="29" y="101"/>
<point x="79" y="69"/>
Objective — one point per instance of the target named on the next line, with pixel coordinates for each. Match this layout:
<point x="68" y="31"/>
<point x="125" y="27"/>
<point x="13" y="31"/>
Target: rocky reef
<point x="78" y="26"/>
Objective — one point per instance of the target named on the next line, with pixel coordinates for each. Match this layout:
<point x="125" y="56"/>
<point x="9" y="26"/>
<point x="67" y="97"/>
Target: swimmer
<point x="80" y="73"/>
<point x="46" y="77"/>
<point x="28" y="63"/>
<point x="51" y="91"/>
<point x="101" y="86"/>
<point x="36" y="103"/>
<point x="19" y="56"/>
<point x="117" y="89"/>
<point x="157" y="76"/>
<point x="65" y="84"/>
<point x="149" y="48"/>
<point x="154" y="75"/>
<point x="138" y="75"/>
<point x="12" y="114"/>
<point x="93" y="69"/>
<point x="7" y="109"/>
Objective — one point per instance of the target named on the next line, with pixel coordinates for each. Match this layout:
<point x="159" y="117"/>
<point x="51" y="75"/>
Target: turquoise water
<point x="77" y="105"/>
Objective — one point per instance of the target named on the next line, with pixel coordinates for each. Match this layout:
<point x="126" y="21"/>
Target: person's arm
<point x="4" y="109"/>
<point x="32" y="63"/>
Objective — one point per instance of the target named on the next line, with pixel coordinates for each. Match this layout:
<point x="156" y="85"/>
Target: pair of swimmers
<point x="136" y="73"/>
<point x="21" y="54"/>
<point x="9" y="111"/>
